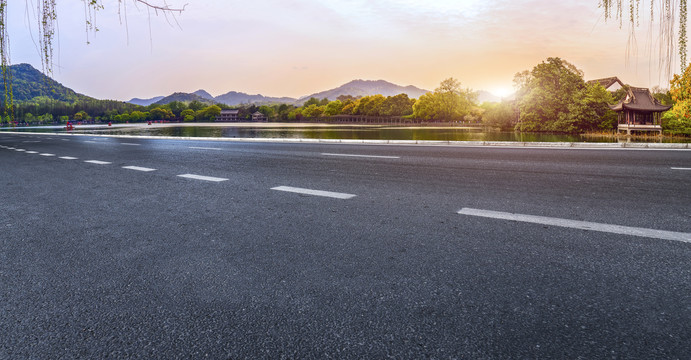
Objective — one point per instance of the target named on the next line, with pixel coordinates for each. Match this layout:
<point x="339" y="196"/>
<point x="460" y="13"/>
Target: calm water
<point x="355" y="133"/>
<point x="334" y="132"/>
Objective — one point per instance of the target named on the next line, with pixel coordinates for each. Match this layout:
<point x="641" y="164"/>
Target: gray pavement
<point x="123" y="257"/>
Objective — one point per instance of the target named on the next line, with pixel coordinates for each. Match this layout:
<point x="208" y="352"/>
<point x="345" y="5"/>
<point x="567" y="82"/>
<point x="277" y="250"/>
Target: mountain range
<point x="28" y="83"/>
<point x="233" y="98"/>
<point x="353" y="88"/>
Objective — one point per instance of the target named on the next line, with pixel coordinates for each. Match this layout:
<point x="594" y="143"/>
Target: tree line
<point x="551" y="97"/>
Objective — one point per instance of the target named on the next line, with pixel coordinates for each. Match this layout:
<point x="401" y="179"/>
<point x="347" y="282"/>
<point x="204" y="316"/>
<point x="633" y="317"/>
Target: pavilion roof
<point x="640" y="99"/>
<point x="607" y="82"/>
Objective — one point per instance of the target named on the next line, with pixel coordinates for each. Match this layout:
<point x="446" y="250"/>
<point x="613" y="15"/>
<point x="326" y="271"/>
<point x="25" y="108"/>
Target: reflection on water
<point x="297" y="131"/>
<point x="353" y="133"/>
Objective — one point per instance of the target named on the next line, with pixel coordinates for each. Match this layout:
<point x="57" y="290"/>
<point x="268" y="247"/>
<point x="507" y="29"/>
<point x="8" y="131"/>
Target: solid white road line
<point x="201" y="177"/>
<point x="363" y="156"/>
<point x="97" y="162"/>
<point x="583" y="225"/>
<point x="131" y="144"/>
<point x="330" y="194"/>
<point x="138" y="168"/>
<point x="678" y="168"/>
<point x="68" y="158"/>
<point x="204" y="148"/>
<point x="46" y="154"/>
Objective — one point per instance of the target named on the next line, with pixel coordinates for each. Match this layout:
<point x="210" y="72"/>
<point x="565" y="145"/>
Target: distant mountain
<point x="183" y="97"/>
<point x="145" y="102"/>
<point x="203" y="94"/>
<point x="233" y="98"/>
<point x="486" y="96"/>
<point x="28" y="83"/>
<point x="367" y="88"/>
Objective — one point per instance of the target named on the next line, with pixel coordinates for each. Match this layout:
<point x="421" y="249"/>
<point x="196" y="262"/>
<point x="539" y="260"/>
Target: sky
<point x="299" y="47"/>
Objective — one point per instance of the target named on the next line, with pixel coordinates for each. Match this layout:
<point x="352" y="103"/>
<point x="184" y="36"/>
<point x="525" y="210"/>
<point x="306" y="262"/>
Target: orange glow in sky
<point x="295" y="48"/>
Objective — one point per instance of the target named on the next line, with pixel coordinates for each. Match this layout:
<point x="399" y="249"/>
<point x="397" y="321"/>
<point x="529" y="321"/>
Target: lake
<point x="329" y="131"/>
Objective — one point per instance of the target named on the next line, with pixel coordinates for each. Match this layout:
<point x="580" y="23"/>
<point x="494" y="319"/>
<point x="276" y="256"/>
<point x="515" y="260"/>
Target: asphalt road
<point x="106" y="251"/>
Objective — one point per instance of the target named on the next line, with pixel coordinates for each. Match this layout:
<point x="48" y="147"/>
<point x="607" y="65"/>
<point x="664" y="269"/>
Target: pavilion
<point x="639" y="111"/>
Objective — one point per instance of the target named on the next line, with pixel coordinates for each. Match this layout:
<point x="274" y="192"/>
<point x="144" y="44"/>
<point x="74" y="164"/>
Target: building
<point x="228" y="115"/>
<point x="611" y="84"/>
<point x="257" y="116"/>
<point x="639" y="111"/>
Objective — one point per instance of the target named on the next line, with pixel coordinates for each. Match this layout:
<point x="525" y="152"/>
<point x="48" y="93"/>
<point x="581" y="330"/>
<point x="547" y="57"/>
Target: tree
<point x="333" y="108"/>
<point x="614" y="9"/>
<point x="313" y="110"/>
<point x="678" y="119"/>
<point x="195" y="105"/>
<point x="448" y="102"/>
<point x="548" y="92"/>
<point x="502" y="115"/>
<point x="80" y="116"/>
<point x="160" y="114"/>
<point x="399" y="105"/>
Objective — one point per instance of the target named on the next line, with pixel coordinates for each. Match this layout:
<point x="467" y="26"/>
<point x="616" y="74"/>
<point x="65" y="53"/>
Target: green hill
<point x="185" y="98"/>
<point x="28" y="83"/>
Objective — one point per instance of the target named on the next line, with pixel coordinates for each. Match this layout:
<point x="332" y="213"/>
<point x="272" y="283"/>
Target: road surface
<point x="188" y="249"/>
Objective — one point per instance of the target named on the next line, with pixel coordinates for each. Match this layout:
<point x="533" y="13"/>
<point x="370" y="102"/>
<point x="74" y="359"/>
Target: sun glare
<point x="502" y="92"/>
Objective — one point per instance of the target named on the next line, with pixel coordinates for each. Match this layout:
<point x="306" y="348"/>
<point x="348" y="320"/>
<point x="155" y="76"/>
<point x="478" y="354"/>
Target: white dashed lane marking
<point x="582" y="225"/>
<point x="46" y="154"/>
<point x="201" y="177"/>
<point x="90" y="142"/>
<point x="363" y="156"/>
<point x="303" y="191"/>
<point x="32" y="152"/>
<point x="130" y="144"/>
<point x="138" y="168"/>
<point x="204" y="148"/>
<point x="97" y="162"/>
<point x="680" y="168"/>
<point x="68" y="158"/>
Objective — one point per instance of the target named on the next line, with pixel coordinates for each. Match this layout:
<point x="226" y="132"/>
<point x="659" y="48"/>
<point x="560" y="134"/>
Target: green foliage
<point x="678" y="119"/>
<point x="333" y="108"/>
<point x="398" y="105"/>
<point x="80" y="116"/>
<point x="662" y="95"/>
<point x="29" y="83"/>
<point x="317" y="102"/>
<point x="195" y="105"/>
<point x="502" y="115"/>
<point x="554" y="97"/>
<point x="160" y="113"/>
<point x="313" y="110"/>
<point x="447" y="103"/>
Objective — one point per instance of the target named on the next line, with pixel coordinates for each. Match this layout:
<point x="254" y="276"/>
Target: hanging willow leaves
<point x="47" y="22"/>
<point x="667" y="14"/>
<point x="5" y="55"/>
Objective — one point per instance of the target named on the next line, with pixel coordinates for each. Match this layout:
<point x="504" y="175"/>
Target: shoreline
<point x="495" y="144"/>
